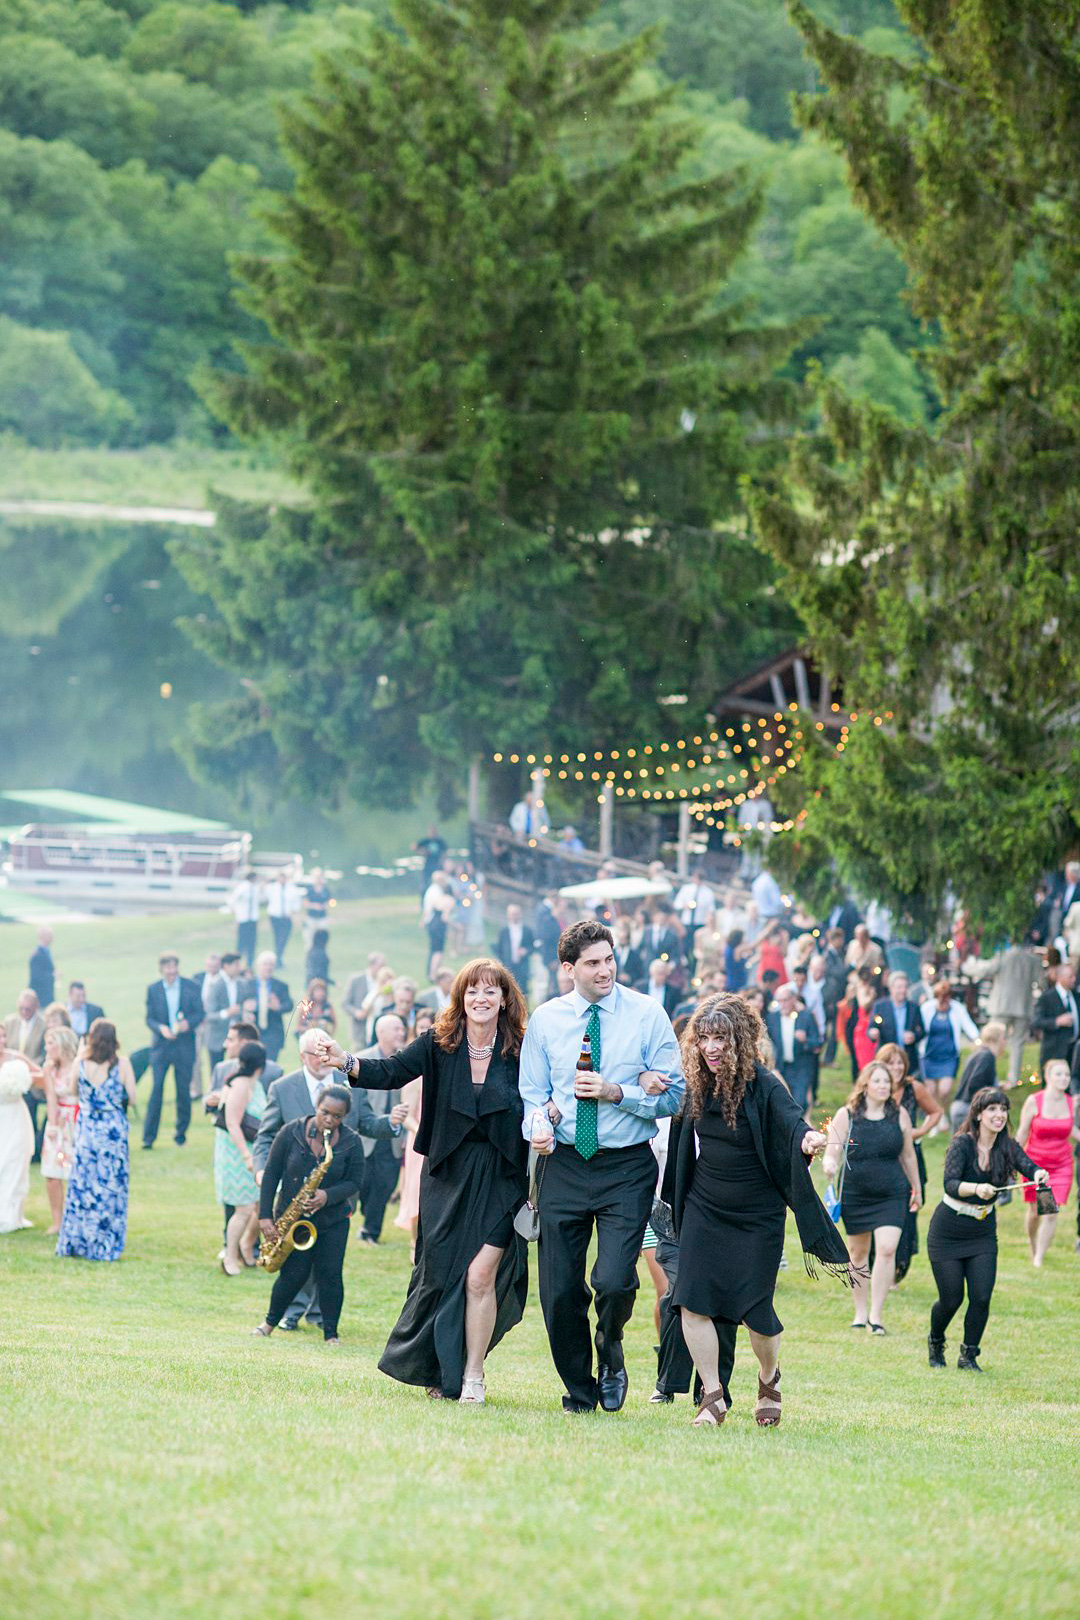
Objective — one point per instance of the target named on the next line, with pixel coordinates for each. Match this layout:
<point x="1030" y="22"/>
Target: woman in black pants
<point x="962" y="1241"/>
<point x="298" y="1149"/>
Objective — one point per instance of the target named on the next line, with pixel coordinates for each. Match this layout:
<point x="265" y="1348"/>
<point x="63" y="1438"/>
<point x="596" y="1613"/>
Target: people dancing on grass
<point x="470" y="1279"/>
<point x="738" y="1160"/>
<point x="962" y="1240"/>
<point x="871" y="1137"/>
<point x="1048" y="1132"/>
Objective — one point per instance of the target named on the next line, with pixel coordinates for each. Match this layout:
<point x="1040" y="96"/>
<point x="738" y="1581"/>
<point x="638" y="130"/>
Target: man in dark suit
<point x="81" y="1011"/>
<point x="895" y="1021"/>
<point x="272" y="1002"/>
<point x="658" y="985"/>
<point x="546" y="932"/>
<point x="795" y="1039"/>
<point x="660" y="939"/>
<point x="1064" y="890"/>
<point x="515" y="945"/>
<point x="293" y="1097"/>
<point x="42" y="978"/>
<point x="1057" y="1017"/>
<point x="844" y="915"/>
<point x="174" y="1011"/>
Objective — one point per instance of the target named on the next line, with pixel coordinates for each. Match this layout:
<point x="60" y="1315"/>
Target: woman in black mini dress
<point x="738" y="1159"/>
<point x="871" y="1136"/>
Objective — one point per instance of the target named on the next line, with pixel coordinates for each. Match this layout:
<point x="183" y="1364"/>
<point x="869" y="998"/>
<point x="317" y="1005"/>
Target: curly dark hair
<point x="579" y="936"/>
<point x="729" y="1016"/>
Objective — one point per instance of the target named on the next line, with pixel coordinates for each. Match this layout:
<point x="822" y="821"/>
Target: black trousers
<point x="323" y="1263"/>
<point x="613" y="1191"/>
<point x="979" y="1272"/>
<point x="381" y="1171"/>
<point x="675" y="1368"/>
<point x="178" y="1055"/>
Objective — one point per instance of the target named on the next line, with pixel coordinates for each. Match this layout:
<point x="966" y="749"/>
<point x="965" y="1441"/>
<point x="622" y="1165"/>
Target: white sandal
<point x="472" y="1392"/>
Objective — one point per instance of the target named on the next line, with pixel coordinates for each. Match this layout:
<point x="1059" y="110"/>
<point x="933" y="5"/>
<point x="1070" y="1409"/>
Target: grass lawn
<point x="157" y="475"/>
<point x="159" y="1462"/>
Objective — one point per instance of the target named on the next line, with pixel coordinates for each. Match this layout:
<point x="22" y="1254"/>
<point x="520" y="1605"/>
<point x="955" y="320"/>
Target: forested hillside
<point x="138" y="139"/>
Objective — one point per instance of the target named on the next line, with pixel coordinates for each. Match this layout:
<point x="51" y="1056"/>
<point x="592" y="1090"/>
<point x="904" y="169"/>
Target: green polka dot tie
<point x="586" y="1138"/>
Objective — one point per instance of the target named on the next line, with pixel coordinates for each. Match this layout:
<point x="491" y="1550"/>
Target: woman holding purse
<point x="234" y="1168"/>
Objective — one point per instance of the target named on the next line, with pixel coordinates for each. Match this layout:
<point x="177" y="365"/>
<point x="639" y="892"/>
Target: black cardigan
<point x="962" y="1164"/>
<point x="778" y="1128"/>
<point x="451" y="1105"/>
<point x="291" y="1161"/>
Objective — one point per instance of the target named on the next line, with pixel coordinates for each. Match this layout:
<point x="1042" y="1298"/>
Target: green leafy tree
<point x="49" y="394"/>
<point x="936" y="569"/>
<point x="504" y="366"/>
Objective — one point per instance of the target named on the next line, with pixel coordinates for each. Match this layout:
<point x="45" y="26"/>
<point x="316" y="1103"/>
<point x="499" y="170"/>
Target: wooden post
<point x="682" y="859"/>
<point x="607" y="820"/>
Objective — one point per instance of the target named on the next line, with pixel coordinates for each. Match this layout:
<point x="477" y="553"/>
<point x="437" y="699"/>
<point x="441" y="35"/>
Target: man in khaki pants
<point x="1016" y="974"/>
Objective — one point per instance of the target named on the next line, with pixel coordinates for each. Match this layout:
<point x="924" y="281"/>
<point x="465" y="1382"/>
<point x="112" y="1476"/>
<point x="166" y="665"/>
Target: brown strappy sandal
<point x="714" y="1403"/>
<point x="767" y="1408"/>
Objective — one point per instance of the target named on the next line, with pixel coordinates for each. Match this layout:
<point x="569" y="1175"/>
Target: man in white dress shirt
<point x="284" y="901"/>
<point x="244" y="903"/>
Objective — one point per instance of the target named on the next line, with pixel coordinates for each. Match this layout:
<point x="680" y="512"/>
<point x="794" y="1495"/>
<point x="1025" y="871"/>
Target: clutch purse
<point x="662" y="1221"/>
<point x="527" y="1219"/>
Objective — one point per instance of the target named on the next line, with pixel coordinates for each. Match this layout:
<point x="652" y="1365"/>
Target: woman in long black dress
<point x="880" y="1185"/>
<point x="470" y="1279"/>
<point x="915" y="1098"/>
<point x="737" y="1161"/>
<point x="962" y="1240"/>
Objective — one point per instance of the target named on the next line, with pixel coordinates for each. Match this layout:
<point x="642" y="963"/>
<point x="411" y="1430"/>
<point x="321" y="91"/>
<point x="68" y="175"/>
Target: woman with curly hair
<point x="470" y="1279"/>
<point x="737" y="1162"/>
<point x="872" y="1135"/>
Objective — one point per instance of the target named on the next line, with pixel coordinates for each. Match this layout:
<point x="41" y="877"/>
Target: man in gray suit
<point x="221" y="1003"/>
<point x="382" y="1155"/>
<point x="1017" y="975"/>
<point x="293" y="1097"/>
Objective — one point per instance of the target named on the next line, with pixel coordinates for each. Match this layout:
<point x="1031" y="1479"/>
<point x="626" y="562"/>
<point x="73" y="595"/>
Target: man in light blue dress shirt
<point x="599" y="1167"/>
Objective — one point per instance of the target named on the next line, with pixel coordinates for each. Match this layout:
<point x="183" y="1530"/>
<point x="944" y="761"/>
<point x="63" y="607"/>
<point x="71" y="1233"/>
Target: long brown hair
<point x="856" y="1103"/>
<point x="450" y="1024"/>
<point x="102" y="1044"/>
<point x="725" y="1013"/>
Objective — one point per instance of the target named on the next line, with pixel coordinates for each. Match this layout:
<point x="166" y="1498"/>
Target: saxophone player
<point x="323" y="1151"/>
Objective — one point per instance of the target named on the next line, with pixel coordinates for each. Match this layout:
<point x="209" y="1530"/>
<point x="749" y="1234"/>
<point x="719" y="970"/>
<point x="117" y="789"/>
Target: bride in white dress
<point x="16" y="1144"/>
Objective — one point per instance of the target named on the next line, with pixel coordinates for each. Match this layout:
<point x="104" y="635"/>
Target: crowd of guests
<point x="690" y="1031"/>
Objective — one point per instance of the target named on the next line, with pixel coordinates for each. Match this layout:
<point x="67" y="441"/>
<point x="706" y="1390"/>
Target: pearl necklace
<point x="479" y="1053"/>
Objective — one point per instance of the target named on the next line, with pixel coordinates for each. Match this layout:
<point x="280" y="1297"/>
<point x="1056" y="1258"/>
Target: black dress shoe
<point x="573" y="1407"/>
<point x="612" y="1386"/>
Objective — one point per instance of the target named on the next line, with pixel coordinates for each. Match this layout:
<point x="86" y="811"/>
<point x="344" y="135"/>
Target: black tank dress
<point x="876" y="1190"/>
<point x="732" y="1234"/>
<point x="908" y="1247"/>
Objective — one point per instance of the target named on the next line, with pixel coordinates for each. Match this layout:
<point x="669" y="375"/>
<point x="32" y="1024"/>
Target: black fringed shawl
<point x="778" y="1129"/>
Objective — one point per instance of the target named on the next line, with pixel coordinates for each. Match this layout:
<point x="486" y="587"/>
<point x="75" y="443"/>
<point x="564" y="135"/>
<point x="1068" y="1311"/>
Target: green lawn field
<point x="157" y="1461"/>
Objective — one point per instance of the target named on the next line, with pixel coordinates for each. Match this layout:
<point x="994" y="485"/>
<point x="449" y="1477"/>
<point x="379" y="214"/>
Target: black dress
<point x="732" y="1232"/>
<point x="876" y="1191"/>
<point x="908" y="1247"/>
<point x="471" y="1186"/>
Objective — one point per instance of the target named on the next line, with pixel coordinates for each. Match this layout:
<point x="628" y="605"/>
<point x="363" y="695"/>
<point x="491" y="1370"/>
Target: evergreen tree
<point x="936" y="569"/>
<point x="504" y="366"/>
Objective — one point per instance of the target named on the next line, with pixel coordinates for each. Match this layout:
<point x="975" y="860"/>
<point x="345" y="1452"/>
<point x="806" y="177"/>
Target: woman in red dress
<point x="1048" y="1132"/>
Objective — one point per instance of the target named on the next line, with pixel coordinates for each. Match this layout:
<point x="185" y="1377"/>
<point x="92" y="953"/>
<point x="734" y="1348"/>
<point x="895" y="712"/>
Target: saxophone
<point x="293" y="1230"/>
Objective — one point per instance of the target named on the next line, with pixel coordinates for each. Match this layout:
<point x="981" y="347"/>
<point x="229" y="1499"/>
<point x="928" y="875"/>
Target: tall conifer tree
<point x="502" y="360"/>
<point x="937" y="570"/>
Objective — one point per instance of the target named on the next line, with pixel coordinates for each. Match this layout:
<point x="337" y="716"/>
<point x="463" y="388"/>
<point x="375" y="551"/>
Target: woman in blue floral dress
<point x="95" y="1213"/>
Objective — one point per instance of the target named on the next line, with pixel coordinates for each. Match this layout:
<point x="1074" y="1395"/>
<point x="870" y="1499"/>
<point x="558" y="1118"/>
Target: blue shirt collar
<point x="580" y="1005"/>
